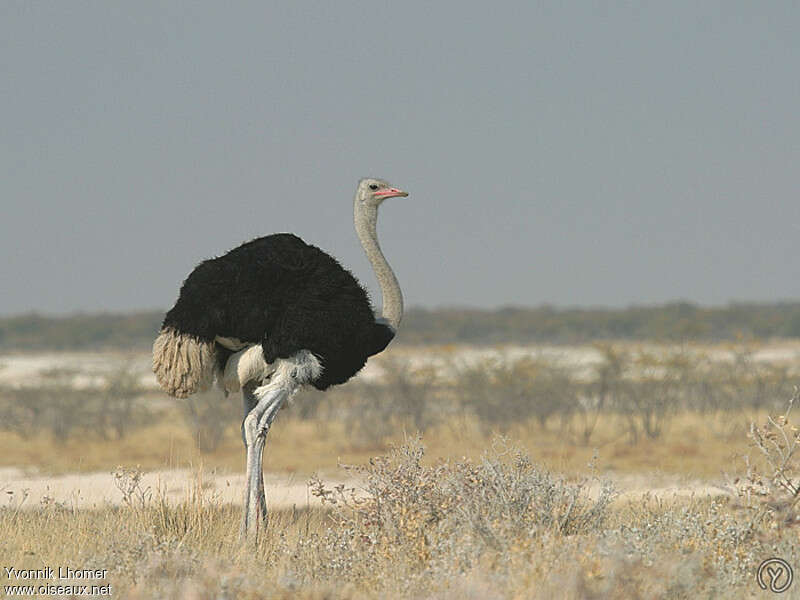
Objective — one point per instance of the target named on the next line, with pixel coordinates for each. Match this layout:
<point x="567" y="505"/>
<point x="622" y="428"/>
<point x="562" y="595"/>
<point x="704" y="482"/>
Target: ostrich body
<point x="271" y="316"/>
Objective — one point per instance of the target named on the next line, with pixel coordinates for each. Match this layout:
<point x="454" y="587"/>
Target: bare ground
<point x="284" y="491"/>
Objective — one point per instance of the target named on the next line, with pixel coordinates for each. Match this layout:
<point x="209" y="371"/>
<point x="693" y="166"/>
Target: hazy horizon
<point x="570" y="155"/>
<point x="446" y="307"/>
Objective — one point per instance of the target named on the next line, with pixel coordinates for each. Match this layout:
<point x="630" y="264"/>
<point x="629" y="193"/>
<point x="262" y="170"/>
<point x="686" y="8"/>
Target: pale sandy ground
<point x="95" y="490"/>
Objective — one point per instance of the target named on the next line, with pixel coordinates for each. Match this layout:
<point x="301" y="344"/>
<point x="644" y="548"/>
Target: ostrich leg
<point x="289" y="375"/>
<point x="255" y="428"/>
<point x="249" y="402"/>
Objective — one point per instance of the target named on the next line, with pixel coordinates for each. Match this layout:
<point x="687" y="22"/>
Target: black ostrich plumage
<point x="286" y="295"/>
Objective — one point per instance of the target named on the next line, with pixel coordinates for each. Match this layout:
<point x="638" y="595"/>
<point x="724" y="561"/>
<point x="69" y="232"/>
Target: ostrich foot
<point x="245" y="366"/>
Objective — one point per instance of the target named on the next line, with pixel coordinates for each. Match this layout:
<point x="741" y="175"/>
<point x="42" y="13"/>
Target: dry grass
<point x="497" y="527"/>
<point x="698" y="446"/>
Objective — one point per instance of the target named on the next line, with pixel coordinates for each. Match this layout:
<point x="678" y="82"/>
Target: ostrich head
<point x="371" y="192"/>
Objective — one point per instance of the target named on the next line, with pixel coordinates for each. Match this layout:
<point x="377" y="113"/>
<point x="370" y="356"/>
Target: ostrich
<point x="271" y="316"/>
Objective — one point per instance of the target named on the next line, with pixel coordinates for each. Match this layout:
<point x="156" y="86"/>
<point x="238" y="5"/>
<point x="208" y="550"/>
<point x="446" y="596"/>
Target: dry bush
<point x="646" y="406"/>
<point x="58" y="409"/>
<point x="742" y="384"/>
<point x="310" y="404"/>
<point x="641" y="392"/>
<point x="596" y="397"/>
<point x="110" y="410"/>
<point x="696" y="549"/>
<point x="645" y="390"/>
<point x="500" y="395"/>
<point x="444" y="519"/>
<point x="402" y="399"/>
<point x="771" y="483"/>
<point x="210" y="416"/>
<point x="122" y="407"/>
<point x="760" y="385"/>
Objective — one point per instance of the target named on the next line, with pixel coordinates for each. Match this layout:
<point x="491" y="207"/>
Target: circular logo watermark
<point x="775" y="575"/>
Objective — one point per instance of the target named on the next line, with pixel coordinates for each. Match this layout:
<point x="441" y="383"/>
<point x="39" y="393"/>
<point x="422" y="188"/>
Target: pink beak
<point x="390" y="193"/>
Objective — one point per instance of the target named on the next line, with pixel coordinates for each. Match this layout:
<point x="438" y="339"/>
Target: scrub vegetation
<point x="672" y="410"/>
<point x="494" y="527"/>
<point x="489" y="479"/>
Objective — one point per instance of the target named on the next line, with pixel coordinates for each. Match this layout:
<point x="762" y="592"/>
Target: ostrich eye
<point x="373" y="186"/>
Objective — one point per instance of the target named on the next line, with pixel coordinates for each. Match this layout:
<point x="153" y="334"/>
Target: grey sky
<point x="574" y="153"/>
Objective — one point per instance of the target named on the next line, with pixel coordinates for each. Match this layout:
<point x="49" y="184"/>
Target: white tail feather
<point x="182" y="363"/>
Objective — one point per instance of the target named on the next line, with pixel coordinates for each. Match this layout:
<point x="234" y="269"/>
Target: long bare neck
<point x="366" y="222"/>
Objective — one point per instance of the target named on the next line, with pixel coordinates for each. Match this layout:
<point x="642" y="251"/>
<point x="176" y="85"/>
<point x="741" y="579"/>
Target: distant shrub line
<point x="545" y="324"/>
<point x="637" y="394"/>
